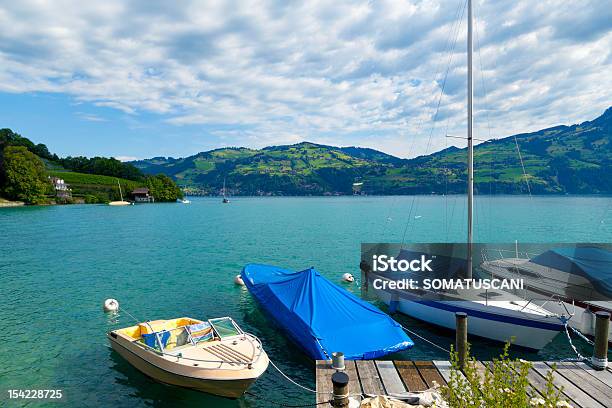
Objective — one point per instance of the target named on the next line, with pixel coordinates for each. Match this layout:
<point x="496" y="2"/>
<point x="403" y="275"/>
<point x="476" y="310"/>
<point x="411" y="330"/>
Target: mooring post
<point x="600" y="351"/>
<point x="461" y="337"/>
<point x="365" y="268"/>
<point x="340" y="381"/>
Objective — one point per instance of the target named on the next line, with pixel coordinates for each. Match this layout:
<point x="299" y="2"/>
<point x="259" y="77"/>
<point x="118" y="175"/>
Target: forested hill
<point x="26" y="170"/>
<point x="573" y="159"/>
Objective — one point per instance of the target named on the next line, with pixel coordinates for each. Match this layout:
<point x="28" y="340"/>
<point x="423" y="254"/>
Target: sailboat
<point x="520" y="321"/>
<point x="122" y="202"/>
<point x="564" y="278"/>
<point x="225" y="199"/>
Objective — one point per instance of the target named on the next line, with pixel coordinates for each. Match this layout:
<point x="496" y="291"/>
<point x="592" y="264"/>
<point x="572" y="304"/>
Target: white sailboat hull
<point x="546" y="291"/>
<point x="487" y="321"/>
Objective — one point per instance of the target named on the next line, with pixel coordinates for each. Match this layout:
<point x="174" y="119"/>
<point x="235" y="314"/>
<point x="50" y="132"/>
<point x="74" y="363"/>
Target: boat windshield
<point x="225" y="327"/>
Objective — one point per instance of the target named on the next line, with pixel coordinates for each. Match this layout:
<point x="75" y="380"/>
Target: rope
<point x="293" y="382"/>
<point x="579" y="356"/>
<point x="424" y="339"/>
<point x="582" y="336"/>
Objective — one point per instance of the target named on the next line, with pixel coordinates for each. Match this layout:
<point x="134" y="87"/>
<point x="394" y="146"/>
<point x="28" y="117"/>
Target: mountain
<point x="573" y="159"/>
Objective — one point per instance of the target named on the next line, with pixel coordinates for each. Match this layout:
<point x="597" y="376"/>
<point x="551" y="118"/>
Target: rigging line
<point x="487" y="109"/>
<point x="525" y="176"/>
<point x="435" y="117"/>
<point x="522" y="165"/>
<point x="479" y="216"/>
<point x="449" y="47"/>
<point x="439" y="63"/>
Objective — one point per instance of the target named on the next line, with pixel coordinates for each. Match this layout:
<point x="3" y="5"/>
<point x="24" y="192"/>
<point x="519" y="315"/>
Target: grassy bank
<point x="95" y="188"/>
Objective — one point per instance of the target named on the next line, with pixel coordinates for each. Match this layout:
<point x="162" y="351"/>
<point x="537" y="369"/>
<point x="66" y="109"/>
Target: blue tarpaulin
<point x="593" y="263"/>
<point x="321" y="317"/>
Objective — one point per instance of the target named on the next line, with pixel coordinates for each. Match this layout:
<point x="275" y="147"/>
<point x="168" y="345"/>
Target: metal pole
<point x="461" y="338"/>
<point x="470" y="164"/>
<point x="365" y="268"/>
<point x="602" y="330"/>
<point x="340" y="382"/>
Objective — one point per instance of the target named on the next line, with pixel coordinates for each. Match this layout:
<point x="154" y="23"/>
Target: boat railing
<point x="256" y="344"/>
<point x="555" y="298"/>
<point x="504" y="253"/>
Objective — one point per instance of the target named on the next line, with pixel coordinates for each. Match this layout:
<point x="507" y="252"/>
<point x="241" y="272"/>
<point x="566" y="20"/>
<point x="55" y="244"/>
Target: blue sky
<point x="137" y="79"/>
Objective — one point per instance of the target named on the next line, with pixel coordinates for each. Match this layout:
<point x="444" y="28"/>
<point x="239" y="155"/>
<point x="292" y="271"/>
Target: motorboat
<point x="214" y="356"/>
<point x="183" y="201"/>
<point x="575" y="279"/>
<point x="321" y="317"/>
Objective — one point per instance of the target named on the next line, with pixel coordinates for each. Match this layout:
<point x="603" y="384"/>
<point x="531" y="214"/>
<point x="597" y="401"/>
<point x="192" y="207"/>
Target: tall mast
<point x="470" y="123"/>
<point x="120" y="193"/>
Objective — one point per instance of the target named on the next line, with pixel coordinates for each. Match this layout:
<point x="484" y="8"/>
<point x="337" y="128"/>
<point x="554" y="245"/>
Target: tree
<point x="24" y="175"/>
<point x="163" y="188"/>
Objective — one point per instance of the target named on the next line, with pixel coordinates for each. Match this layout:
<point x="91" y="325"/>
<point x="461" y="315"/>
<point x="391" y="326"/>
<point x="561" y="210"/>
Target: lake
<point x="59" y="263"/>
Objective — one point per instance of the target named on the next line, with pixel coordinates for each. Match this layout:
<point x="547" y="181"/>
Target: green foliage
<point x="102" y="165"/>
<point x="10" y="138"/>
<point x="504" y="384"/>
<point x="163" y="188"/>
<point x="24" y="175"/>
<point x="96" y="188"/>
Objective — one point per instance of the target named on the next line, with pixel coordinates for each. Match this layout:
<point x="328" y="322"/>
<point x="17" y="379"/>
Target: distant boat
<point x="225" y="199"/>
<point x="122" y="202"/>
<point x="183" y="201"/>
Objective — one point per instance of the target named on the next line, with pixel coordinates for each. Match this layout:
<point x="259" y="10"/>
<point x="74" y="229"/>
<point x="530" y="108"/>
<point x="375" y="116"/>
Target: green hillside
<point x="564" y="159"/>
<point x="26" y="168"/>
<point x="95" y="187"/>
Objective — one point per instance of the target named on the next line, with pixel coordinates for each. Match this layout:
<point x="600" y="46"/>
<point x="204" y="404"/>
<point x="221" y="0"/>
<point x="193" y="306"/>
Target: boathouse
<point x="141" y="195"/>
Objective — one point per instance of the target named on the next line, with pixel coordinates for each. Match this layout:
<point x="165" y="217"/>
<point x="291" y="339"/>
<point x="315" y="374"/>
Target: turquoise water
<point x="58" y="264"/>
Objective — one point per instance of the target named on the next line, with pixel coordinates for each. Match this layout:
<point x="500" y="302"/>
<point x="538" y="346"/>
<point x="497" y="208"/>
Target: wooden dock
<point x="583" y="386"/>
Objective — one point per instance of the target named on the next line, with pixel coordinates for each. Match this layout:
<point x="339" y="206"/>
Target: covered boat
<point x="213" y="356"/>
<point x="321" y="317"/>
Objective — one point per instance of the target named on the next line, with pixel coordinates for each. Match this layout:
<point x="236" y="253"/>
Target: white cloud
<point x="126" y="158"/>
<point x="90" y="117"/>
<point x="349" y="73"/>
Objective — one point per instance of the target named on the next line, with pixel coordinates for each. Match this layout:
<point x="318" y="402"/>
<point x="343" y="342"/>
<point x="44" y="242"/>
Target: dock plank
<point x="430" y="373"/>
<point x="390" y="378"/>
<point x="604" y="376"/>
<point x="324" y="388"/>
<point x="578" y="396"/>
<point x="444" y="367"/>
<point x="410" y="375"/>
<point x="596" y="389"/>
<point x="369" y="378"/>
<point x="354" y="385"/>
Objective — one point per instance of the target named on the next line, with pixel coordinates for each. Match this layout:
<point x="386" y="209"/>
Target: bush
<point x="25" y="176"/>
<point x="504" y="385"/>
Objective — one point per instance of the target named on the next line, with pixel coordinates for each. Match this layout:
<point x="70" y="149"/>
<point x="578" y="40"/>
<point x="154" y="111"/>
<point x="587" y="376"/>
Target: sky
<point x="138" y="79"/>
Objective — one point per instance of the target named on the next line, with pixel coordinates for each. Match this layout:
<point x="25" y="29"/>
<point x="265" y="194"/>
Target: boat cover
<point x="593" y="263"/>
<point x="321" y="317"/>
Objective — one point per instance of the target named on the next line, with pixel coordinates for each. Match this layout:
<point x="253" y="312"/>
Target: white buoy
<point x="347" y="277"/>
<point x="238" y="280"/>
<point x="111" y="305"/>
